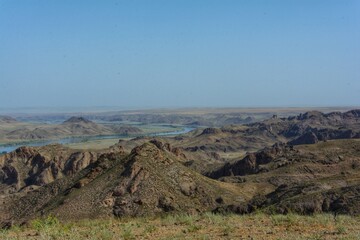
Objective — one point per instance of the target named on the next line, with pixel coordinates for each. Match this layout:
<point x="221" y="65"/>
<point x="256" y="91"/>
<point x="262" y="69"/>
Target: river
<point x="5" y="148"/>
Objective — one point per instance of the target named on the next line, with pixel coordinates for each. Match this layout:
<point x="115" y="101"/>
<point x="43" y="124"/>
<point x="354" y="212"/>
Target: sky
<point x="179" y="53"/>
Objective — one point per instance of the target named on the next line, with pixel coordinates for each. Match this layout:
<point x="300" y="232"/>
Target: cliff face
<point x="31" y="167"/>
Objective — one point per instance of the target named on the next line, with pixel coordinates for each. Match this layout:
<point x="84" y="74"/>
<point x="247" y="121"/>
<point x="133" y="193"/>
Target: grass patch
<point x="184" y="226"/>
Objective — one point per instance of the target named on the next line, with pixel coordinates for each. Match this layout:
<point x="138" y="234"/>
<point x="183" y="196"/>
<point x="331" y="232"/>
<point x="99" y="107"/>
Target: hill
<point x="7" y="119"/>
<point x="208" y="148"/>
<point x="74" y="126"/>
<point x="306" y="179"/>
<point x="150" y="180"/>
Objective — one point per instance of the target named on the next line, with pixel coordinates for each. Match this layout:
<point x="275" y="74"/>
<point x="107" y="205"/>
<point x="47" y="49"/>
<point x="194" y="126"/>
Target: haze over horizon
<point x="154" y="54"/>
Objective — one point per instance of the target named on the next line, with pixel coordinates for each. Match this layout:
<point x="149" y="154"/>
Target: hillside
<point x="210" y="147"/>
<point x="306" y="179"/>
<point x="150" y="180"/>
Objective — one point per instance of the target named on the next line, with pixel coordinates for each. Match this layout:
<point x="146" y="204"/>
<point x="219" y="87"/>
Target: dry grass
<point x="94" y="144"/>
<point x="206" y="226"/>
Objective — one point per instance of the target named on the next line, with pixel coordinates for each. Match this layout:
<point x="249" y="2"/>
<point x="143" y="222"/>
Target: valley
<point x="77" y="132"/>
<point x="302" y="164"/>
<point x="179" y="120"/>
<point x="224" y="169"/>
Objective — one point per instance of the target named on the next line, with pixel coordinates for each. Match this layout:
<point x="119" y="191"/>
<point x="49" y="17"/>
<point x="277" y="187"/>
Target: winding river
<point x="5" y="148"/>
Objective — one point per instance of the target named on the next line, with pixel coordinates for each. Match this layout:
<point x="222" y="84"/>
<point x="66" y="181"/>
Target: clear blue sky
<point x="179" y="53"/>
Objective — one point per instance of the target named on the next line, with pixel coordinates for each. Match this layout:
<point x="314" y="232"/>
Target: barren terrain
<point x="305" y="164"/>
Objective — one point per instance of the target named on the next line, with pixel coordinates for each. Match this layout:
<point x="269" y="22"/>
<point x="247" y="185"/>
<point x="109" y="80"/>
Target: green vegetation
<point x="183" y="226"/>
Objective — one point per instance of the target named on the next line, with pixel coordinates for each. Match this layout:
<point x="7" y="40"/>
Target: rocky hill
<point x="29" y="168"/>
<point x="150" y="180"/>
<point x="306" y="179"/>
<point x="208" y="148"/>
<point x="314" y="126"/>
<point x="81" y="126"/>
<point x="238" y="168"/>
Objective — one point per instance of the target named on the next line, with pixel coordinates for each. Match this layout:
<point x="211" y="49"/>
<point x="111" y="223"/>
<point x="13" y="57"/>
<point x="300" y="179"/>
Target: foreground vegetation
<point x="206" y="226"/>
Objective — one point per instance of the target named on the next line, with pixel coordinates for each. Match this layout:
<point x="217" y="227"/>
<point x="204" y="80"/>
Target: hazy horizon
<point x="108" y="109"/>
<point x="179" y="54"/>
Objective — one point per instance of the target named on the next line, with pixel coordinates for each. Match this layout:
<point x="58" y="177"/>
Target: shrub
<point x="49" y="221"/>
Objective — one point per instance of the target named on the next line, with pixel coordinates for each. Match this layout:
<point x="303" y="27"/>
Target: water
<point x="5" y="148"/>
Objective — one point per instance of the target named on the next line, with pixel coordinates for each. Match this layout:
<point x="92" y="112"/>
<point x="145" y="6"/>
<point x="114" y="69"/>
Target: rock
<point x="28" y="167"/>
<point x="167" y="204"/>
<point x="161" y="145"/>
<point x="188" y="188"/>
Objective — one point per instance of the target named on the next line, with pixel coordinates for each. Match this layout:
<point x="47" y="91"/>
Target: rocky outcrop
<point x="164" y="146"/>
<point x="38" y="166"/>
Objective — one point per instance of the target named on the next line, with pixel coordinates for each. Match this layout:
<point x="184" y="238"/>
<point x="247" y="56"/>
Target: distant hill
<point x="74" y="126"/>
<point x="211" y="147"/>
<point x="7" y="119"/>
<point x="82" y="126"/>
<point x="79" y="120"/>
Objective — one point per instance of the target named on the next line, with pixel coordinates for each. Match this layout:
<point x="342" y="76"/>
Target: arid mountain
<point x="74" y="126"/>
<point x="237" y="168"/>
<point x="211" y="147"/>
<point x="150" y="180"/>
<point x="323" y="177"/>
<point x="314" y="126"/>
